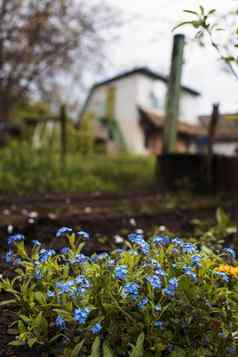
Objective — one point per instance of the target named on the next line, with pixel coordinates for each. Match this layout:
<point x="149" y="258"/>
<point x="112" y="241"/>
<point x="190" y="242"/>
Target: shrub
<point x="161" y="297"/>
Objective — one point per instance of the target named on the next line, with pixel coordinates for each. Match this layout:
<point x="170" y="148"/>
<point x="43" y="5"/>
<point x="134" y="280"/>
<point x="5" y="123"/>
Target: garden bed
<point x="108" y="217"/>
<point x="164" y="297"/>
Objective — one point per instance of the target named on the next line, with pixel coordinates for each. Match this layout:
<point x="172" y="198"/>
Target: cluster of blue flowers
<point x="15" y="238"/>
<point x="60" y="322"/>
<point x="79" y="259"/>
<point x="67" y="287"/>
<point x="81" y="315"/>
<point x="62" y="232"/>
<point x="161" y="241"/>
<point x="38" y="273"/>
<point x="45" y="254"/>
<point x="187" y="248"/>
<point x="65" y="250"/>
<point x="10" y="256"/>
<point x="171" y="288"/>
<point x="154" y="281"/>
<point x="196" y="261"/>
<point x="131" y="290"/>
<point x="36" y="243"/>
<point x="138" y="239"/>
<point x="189" y="272"/>
<point x="223" y="276"/>
<point x="142" y="303"/>
<point x="151" y="282"/>
<point x="83" y="234"/>
<point x="72" y="287"/>
<point x="230" y="252"/>
<point x="121" y="272"/>
<point x="96" y="329"/>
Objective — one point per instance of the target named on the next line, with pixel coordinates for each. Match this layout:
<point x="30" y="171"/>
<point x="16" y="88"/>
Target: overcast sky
<point x="147" y="41"/>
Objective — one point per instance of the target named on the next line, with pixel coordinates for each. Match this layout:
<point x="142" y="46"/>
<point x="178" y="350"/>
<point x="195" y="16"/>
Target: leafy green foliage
<point x="207" y="23"/>
<point x="25" y="170"/>
<point x="138" y="349"/>
<point x="96" y="348"/>
<point x="214" y="236"/>
<point x="154" y="298"/>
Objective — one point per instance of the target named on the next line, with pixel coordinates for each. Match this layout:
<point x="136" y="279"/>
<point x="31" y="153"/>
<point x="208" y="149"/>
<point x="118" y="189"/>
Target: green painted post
<point x="173" y="95"/>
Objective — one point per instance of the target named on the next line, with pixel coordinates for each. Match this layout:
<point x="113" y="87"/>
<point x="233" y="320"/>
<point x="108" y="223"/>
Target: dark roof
<point x="139" y="70"/>
<point x="226" y="120"/>
<point x="157" y="119"/>
<point x="147" y="72"/>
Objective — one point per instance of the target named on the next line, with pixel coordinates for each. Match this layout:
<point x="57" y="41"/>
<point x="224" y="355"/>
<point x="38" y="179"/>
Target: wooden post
<point x="211" y="135"/>
<point x="212" y="129"/>
<point x="173" y="95"/>
<point x="63" y="136"/>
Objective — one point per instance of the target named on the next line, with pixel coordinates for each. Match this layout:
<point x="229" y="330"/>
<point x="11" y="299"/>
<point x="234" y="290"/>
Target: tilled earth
<point x="105" y="216"/>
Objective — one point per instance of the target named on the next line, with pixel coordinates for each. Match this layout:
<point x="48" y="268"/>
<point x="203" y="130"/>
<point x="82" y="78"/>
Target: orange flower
<point x="229" y="269"/>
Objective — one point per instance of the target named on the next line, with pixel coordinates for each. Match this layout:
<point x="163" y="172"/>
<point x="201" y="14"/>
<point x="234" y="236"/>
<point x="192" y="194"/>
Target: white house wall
<point x="190" y="108"/>
<point x="151" y="93"/>
<point x="126" y="113"/>
<point x="227" y="149"/>
<point x="132" y="91"/>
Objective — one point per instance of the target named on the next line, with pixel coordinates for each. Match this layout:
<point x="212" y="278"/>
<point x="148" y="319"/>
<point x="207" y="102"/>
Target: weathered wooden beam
<point x="173" y="95"/>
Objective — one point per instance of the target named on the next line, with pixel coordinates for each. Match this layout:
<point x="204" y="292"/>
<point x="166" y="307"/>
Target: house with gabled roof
<point x="115" y="106"/>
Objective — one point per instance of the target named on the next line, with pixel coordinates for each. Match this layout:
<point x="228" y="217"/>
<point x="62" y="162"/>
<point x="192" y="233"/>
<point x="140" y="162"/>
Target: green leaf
<point x="31" y="341"/>
<point x="178" y="352"/>
<point x="222" y="217"/>
<point x="53" y="339"/>
<point x="95" y="352"/>
<point x="107" y="352"/>
<point x="211" y="12"/>
<point x="138" y="350"/>
<point x="40" y="297"/>
<point x="191" y="23"/>
<point x="71" y="239"/>
<point x="40" y="325"/>
<point x="77" y="349"/>
<point x="21" y="327"/>
<point x="190" y="12"/>
<point x="16" y="343"/>
<point x="202" y="10"/>
<point x="25" y="318"/>
<point x="7" y="302"/>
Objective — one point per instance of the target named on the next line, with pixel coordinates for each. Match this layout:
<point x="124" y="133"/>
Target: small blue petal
<point x="63" y="232"/>
<point x="96" y="329"/>
<point x="15" y="238"/>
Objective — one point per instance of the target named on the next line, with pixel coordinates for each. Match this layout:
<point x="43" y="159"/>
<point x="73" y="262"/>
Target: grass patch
<point x="23" y="170"/>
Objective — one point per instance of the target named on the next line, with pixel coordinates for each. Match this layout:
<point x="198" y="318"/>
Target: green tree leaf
<point x="190" y="12"/>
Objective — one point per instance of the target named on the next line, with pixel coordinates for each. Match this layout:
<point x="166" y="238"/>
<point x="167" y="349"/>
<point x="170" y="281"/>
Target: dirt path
<point x="38" y="216"/>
